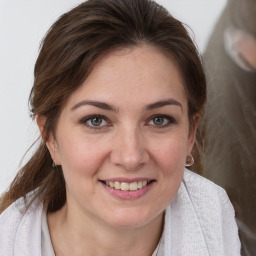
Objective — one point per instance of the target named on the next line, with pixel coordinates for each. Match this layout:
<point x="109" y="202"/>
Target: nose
<point x="129" y="149"/>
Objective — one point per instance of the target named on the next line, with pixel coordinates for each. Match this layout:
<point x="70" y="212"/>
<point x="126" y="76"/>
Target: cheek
<point x="170" y="159"/>
<point x="170" y="155"/>
<point x="80" y="156"/>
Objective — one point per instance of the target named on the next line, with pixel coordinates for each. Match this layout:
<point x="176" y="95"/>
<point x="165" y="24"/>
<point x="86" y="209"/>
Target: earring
<point x="191" y="161"/>
<point x="53" y="164"/>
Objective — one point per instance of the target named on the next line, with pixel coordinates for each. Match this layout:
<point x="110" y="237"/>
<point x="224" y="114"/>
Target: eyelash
<point x="170" y="120"/>
<point x="84" y="121"/>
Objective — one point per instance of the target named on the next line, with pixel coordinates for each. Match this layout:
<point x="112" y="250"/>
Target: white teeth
<point x="126" y="186"/>
<point x="139" y="184"/>
<point x="133" y="186"/>
<point x="117" y="185"/>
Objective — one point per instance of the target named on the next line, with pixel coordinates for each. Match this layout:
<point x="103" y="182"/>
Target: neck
<point x="73" y="235"/>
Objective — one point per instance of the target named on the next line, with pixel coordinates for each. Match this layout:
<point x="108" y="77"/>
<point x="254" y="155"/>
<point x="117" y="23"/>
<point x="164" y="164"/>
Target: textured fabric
<point x="199" y="222"/>
<point x="21" y="231"/>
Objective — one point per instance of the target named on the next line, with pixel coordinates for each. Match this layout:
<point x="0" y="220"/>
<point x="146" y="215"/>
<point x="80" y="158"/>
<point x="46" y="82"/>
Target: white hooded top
<point x="200" y="221"/>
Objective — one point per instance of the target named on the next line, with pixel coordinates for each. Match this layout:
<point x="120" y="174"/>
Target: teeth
<point x="117" y="185"/>
<point x="126" y="186"/>
<point x="139" y="184"/>
<point x="133" y="186"/>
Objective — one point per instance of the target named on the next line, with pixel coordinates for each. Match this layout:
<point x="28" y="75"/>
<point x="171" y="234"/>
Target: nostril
<point x="134" y="167"/>
<point x="130" y="161"/>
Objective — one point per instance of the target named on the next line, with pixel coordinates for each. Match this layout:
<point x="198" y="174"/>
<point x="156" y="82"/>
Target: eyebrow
<point x="106" y="106"/>
<point x="98" y="104"/>
<point x="163" y="103"/>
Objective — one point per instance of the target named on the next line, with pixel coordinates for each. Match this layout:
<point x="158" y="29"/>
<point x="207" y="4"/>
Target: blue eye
<point x="161" y="121"/>
<point x="95" y="122"/>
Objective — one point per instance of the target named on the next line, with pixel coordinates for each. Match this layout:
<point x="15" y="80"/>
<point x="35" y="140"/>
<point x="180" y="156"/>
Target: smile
<point x="124" y="189"/>
<point x="127" y="186"/>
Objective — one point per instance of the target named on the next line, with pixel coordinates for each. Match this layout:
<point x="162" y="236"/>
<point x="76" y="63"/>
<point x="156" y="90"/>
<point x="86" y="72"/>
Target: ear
<point x="241" y="48"/>
<point x="49" y="140"/>
<point x="40" y="120"/>
<point x="192" y="132"/>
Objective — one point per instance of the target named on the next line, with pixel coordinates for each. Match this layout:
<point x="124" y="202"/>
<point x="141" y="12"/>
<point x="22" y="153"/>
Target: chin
<point x="131" y="218"/>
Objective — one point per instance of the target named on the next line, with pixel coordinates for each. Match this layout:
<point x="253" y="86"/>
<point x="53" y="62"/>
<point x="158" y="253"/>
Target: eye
<point x="161" y="121"/>
<point x="95" y="122"/>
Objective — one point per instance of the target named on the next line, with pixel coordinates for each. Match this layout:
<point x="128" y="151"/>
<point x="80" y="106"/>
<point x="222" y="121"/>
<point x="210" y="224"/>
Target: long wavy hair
<point x="70" y="50"/>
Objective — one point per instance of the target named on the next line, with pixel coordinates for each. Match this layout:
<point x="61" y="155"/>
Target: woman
<point x="118" y="95"/>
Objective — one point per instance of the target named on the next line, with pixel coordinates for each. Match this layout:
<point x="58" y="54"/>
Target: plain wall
<point x="23" y="24"/>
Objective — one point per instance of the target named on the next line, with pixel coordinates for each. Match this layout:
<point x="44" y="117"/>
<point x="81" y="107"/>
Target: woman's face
<point x="123" y="137"/>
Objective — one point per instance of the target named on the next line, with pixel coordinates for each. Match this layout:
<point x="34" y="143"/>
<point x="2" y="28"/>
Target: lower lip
<point x="128" y="195"/>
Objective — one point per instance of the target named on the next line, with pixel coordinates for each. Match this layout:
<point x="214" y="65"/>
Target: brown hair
<point x="69" y="51"/>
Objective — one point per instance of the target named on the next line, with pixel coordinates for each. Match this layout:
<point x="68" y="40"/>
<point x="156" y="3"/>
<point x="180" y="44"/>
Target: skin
<point x="130" y="143"/>
<point x="241" y="46"/>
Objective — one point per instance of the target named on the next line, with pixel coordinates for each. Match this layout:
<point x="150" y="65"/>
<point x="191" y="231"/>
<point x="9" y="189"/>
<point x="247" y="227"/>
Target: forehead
<point x="137" y="75"/>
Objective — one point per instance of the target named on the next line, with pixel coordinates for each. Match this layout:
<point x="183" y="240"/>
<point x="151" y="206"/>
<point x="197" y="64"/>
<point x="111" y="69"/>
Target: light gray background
<point x="23" y="24"/>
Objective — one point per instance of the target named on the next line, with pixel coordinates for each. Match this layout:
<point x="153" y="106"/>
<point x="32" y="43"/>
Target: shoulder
<point x="207" y="198"/>
<point x="12" y="215"/>
<point x="203" y="187"/>
<point x="200" y="214"/>
<point x="20" y="208"/>
<point x="214" y="211"/>
<point x="19" y="227"/>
